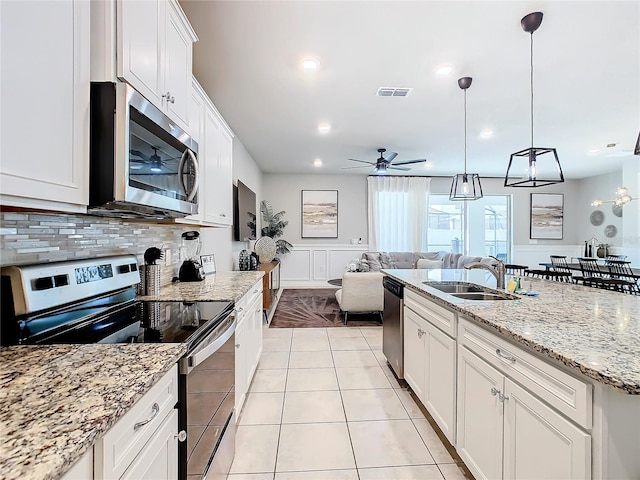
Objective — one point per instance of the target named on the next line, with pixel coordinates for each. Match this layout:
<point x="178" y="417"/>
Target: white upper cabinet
<point x="155" y="51"/>
<point x="44" y="104"/>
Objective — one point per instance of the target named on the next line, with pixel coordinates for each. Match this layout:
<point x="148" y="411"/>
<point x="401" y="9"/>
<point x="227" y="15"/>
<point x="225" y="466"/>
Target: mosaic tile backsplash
<point x="41" y="237"/>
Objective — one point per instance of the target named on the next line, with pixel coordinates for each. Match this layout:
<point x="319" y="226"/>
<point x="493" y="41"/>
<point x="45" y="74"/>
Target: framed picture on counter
<point x="208" y="263"/>
<point x="319" y="214"/>
<point x="547" y="216"/>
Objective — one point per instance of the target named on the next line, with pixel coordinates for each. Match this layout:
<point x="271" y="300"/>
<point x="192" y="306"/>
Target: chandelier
<point x="622" y="198"/>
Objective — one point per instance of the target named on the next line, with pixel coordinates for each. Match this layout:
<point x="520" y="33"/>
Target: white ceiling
<point x="587" y="81"/>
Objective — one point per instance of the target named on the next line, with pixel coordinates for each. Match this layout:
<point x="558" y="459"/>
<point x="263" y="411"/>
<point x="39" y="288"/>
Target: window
<point x="480" y="228"/>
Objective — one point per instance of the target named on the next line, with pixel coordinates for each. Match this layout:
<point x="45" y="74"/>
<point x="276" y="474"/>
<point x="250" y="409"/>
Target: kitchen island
<point x="545" y="385"/>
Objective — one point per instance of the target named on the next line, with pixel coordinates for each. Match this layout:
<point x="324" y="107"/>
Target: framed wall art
<point x="547" y="216"/>
<point x="319" y="214"/>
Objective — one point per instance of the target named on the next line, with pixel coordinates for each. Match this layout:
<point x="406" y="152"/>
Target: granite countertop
<point x="592" y="331"/>
<point x="56" y="401"/>
<point x="223" y="286"/>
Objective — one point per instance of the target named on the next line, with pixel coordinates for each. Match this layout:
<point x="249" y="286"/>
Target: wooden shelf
<point x="270" y="282"/>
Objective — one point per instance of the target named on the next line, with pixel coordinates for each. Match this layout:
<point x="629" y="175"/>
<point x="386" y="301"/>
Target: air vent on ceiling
<point x="393" y="92"/>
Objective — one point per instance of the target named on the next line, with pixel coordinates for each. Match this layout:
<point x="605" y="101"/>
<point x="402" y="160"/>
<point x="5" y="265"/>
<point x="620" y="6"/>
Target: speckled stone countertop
<point x="55" y="401"/>
<point x="592" y="331"/>
<point x="223" y="286"/>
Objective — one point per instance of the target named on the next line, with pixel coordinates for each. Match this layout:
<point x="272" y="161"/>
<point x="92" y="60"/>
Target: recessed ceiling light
<point x="428" y="165"/>
<point x="444" y="70"/>
<point x="486" y="133"/>
<point x="309" y="64"/>
<point x="317" y="162"/>
<point x="594" y="150"/>
<point x="324" y="127"/>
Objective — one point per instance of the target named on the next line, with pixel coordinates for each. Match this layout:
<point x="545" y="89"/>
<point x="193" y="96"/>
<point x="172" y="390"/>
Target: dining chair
<point x="621" y="270"/>
<point x="594" y="277"/>
<point x="513" y="269"/>
<point x="608" y="258"/>
<point x="559" y="264"/>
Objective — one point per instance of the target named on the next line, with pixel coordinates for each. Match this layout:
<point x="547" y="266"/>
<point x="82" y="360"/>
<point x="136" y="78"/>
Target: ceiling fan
<point x="155" y="163"/>
<point x="383" y="163"/>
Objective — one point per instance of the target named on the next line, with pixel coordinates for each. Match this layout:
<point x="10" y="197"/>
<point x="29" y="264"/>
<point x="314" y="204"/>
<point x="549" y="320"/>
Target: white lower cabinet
<point x="430" y="368"/>
<point x="248" y="338"/>
<point x="506" y="432"/>
<point x="143" y="444"/>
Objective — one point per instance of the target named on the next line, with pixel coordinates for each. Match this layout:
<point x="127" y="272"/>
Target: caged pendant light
<point x="534" y="166"/>
<point x="465" y="186"/>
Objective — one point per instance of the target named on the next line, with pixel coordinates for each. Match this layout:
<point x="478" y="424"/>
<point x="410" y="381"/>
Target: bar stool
<point x="559" y="263"/>
<point x="594" y="277"/>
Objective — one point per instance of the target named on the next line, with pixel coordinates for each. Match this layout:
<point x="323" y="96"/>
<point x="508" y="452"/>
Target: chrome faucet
<point x="498" y="270"/>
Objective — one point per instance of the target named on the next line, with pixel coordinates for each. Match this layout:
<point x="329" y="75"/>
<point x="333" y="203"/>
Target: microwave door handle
<point x="183" y="160"/>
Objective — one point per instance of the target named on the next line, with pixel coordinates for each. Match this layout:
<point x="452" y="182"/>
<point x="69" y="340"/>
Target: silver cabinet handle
<point x="240" y="309"/>
<point x="167" y="96"/>
<point x="224" y="215"/>
<point x="155" y="409"/>
<point x="421" y="332"/>
<point x="237" y="345"/>
<point x="506" y="357"/>
<point x="502" y="397"/>
<point x="181" y="435"/>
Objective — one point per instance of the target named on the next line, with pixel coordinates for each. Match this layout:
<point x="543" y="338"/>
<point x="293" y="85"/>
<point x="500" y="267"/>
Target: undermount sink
<point x="456" y="287"/>
<point x="469" y="291"/>
<point x="481" y="296"/>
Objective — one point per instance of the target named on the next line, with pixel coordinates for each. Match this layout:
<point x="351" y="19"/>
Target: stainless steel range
<point x="94" y="301"/>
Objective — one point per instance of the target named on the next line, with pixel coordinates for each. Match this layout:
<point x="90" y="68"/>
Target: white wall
<point x="219" y="241"/>
<point x="284" y="193"/>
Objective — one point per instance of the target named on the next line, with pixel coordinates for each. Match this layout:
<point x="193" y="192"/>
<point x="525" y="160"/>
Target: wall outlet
<point x="167" y="257"/>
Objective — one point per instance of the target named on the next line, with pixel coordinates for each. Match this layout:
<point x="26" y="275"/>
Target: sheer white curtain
<point x="397" y="210"/>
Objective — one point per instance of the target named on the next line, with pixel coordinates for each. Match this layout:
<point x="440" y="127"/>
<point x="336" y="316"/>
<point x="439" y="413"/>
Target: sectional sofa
<point x="379" y="260"/>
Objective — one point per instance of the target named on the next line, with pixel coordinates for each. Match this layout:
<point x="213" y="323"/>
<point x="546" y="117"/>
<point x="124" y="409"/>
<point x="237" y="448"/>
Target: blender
<point x="191" y="270"/>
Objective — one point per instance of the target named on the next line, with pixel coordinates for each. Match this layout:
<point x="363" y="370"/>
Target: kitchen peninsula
<point x="552" y="376"/>
<point x="59" y="401"/>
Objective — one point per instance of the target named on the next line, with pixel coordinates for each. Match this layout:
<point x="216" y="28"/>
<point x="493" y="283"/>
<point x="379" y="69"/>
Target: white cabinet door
<point x="241" y="377"/>
<point x="255" y="314"/>
<point x="177" y="66"/>
<point x="158" y="460"/>
<point x="140" y="46"/>
<point x="480" y="414"/>
<point x="225" y="185"/>
<point x="209" y="163"/>
<point x="44" y="104"/>
<point x="440" y="380"/>
<point x="539" y="443"/>
<point x="415" y="329"/>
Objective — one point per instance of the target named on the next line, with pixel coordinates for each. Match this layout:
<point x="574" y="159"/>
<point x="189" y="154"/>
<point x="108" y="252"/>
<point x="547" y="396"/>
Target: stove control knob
<point x="181" y="436"/>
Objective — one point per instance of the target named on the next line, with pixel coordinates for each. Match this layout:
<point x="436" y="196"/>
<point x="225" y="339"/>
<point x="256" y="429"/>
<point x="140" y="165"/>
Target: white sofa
<point x="361" y="292"/>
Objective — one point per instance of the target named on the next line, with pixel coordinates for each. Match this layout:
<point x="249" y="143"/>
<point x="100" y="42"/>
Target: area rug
<point x="305" y="308"/>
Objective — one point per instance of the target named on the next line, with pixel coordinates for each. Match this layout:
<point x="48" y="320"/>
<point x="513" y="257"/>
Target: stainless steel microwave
<point x="142" y="165"/>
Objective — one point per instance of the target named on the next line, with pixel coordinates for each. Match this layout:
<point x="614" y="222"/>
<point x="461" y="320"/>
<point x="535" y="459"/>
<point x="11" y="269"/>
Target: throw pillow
<point x="372" y="259"/>
<point x="386" y="261"/>
<point x="428" y="264"/>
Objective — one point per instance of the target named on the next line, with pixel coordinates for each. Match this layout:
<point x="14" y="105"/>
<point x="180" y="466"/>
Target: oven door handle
<point x="200" y="355"/>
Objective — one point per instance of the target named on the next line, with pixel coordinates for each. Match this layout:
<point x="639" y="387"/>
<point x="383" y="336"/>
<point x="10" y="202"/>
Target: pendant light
<point x="534" y="166"/>
<point x="465" y="186"/>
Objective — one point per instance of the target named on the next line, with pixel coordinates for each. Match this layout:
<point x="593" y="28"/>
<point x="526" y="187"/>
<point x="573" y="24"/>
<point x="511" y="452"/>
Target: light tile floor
<point x="324" y="404"/>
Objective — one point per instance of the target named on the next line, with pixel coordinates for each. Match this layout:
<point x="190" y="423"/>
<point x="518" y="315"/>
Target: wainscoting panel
<point x="311" y="265"/>
<point x="320" y="265"/>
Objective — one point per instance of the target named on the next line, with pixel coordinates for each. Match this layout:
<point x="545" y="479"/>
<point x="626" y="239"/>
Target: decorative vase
<point x="243" y="260"/>
<point x="602" y="250"/>
<point x="254" y="261"/>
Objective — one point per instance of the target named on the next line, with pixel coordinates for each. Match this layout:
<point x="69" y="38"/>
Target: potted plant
<point x="273" y="226"/>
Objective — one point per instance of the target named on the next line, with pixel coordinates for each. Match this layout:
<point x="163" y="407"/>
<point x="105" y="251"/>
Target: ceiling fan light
<point x="466" y="186"/>
<point x="597" y="203"/>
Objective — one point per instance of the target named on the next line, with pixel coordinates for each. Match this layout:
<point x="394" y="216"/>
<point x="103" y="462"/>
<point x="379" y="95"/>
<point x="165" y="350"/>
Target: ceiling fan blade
<point x="361" y="161"/>
<point x="359" y="166"/>
<point x="407" y="162"/>
<point x="138" y="153"/>
<point x="391" y="167"/>
<point x="390" y="156"/>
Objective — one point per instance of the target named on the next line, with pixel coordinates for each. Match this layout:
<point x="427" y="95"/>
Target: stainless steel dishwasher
<point x="392" y="327"/>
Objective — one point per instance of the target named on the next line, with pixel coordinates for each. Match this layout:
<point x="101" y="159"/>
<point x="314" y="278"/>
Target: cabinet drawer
<point x="571" y="396"/>
<point x="122" y="443"/>
<point x="242" y="306"/>
<point x="439" y="316"/>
